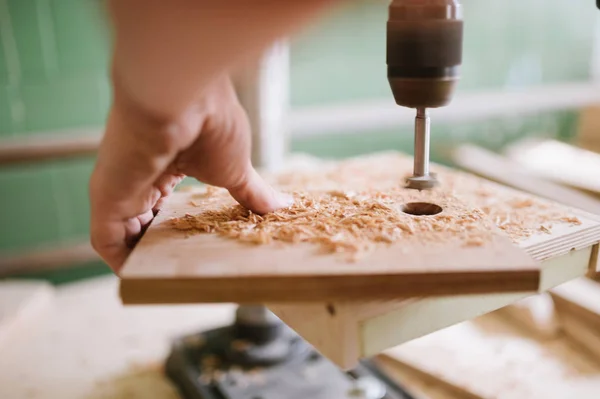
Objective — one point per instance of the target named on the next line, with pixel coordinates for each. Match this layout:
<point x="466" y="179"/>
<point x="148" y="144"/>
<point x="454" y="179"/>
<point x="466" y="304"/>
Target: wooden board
<point x="535" y="314"/>
<point x="506" y="171"/>
<point x="580" y="299"/>
<point x="559" y="162"/>
<point x="588" y="132"/>
<point x="503" y="170"/>
<point x="166" y="267"/>
<point x="491" y="359"/>
<point x="578" y="307"/>
<point x="421" y="385"/>
<point x="365" y="328"/>
<point x="347" y="331"/>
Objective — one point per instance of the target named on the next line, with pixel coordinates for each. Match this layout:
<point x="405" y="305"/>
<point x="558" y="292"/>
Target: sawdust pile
<point x="355" y="205"/>
<point x="343" y="222"/>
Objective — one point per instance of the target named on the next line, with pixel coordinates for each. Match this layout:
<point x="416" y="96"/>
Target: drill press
<point x="424" y="50"/>
<point x="424" y="53"/>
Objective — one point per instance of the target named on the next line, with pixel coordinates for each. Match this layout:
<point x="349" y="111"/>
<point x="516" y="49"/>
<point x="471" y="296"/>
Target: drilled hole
<point x="421" y="209"/>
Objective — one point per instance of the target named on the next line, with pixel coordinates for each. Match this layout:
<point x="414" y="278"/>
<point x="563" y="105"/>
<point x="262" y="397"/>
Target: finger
<point x="109" y="240"/>
<point x="254" y="193"/>
<point x="166" y="184"/>
<point x="137" y="227"/>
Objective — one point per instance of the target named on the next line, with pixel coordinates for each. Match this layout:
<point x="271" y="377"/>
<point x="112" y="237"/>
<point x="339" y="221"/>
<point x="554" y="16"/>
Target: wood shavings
<point x="352" y="207"/>
<point x="340" y="222"/>
<point x="570" y="219"/>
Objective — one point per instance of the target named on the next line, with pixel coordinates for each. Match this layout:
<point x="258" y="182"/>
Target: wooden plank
<point x="535" y="314"/>
<point x="491" y="359"/>
<point x="501" y="169"/>
<point x="371" y="326"/>
<point x="166" y="268"/>
<point x="579" y="299"/>
<point x="583" y="334"/>
<point x="384" y="324"/>
<point x="559" y="162"/>
<point x="420" y="384"/>
<point x="588" y="134"/>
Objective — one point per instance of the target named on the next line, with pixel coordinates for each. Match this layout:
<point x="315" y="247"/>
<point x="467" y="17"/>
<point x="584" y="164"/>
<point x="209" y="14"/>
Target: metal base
<point x="217" y="364"/>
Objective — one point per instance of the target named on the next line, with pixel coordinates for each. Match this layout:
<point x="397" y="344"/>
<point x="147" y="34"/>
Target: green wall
<point x="514" y="43"/>
<point x="53" y="76"/>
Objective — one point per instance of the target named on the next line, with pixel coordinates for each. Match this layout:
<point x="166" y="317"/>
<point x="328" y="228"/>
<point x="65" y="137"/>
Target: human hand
<point x="145" y="155"/>
<point x="174" y="110"/>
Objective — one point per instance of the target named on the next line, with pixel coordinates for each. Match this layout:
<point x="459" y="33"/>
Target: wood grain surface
<point x="170" y="267"/>
<point x="489" y="358"/>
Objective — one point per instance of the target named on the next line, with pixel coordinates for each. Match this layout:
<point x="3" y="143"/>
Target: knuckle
<point x="162" y="133"/>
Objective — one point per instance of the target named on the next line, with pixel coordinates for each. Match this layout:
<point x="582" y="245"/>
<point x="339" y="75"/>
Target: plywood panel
<point x="564" y="250"/>
<point x="458" y="251"/>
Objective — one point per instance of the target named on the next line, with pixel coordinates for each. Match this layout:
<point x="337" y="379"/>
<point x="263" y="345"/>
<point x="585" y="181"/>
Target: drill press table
<point x="346" y="328"/>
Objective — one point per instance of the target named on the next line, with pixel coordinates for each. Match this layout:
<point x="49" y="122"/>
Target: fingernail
<point x="284" y="200"/>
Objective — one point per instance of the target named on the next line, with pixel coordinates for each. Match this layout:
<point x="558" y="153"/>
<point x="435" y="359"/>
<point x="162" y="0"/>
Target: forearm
<point x="152" y="37"/>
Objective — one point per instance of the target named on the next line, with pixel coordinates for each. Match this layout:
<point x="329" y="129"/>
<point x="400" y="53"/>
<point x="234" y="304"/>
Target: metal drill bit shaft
<point x="421" y="178"/>
<point x="422" y="132"/>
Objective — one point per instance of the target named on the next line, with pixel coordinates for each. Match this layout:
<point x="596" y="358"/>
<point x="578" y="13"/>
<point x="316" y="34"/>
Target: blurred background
<point x="53" y="83"/>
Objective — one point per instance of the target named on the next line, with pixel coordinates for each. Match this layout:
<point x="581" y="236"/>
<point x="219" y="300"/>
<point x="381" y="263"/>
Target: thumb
<point x="254" y="193"/>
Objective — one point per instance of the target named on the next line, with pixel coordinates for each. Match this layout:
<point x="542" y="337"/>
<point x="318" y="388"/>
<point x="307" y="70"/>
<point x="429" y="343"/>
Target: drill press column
<point x="424" y="52"/>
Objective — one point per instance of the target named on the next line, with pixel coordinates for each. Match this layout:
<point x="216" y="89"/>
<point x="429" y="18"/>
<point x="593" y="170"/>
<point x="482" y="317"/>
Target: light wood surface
<point x="367" y="327"/>
<point x="559" y="162"/>
<point x="420" y="384"/>
<point x="362" y="329"/>
<point x="579" y="298"/>
<point x="503" y="170"/>
<point x="535" y="314"/>
<point x="506" y="171"/>
<point x="492" y="359"/>
<point x="377" y="325"/>
<point x="588" y="134"/>
<point x="165" y="267"/>
<point x="586" y="336"/>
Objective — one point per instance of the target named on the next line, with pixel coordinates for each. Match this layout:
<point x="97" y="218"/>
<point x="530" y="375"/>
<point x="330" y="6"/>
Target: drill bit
<point x="421" y="178"/>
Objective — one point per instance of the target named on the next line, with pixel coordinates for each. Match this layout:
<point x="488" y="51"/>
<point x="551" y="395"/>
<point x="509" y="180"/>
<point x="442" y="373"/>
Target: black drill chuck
<point x="424" y="51"/>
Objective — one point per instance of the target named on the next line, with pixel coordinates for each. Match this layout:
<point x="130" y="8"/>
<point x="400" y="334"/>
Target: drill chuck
<point x="424" y="51"/>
